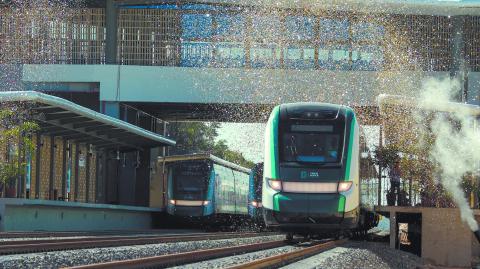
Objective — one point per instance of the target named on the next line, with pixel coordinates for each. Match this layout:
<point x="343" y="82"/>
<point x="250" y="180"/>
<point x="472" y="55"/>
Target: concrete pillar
<point x="459" y="65"/>
<point x="111" y="17"/>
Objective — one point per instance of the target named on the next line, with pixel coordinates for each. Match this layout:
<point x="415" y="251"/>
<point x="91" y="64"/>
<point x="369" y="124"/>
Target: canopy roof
<point x="60" y="117"/>
<point x="203" y="156"/>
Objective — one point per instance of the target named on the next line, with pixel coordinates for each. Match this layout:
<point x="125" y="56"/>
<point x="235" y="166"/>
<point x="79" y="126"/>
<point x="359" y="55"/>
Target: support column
<point x="38" y="151"/>
<point x="459" y="68"/>
<point x="64" y="169"/>
<point x="393" y="229"/>
<point x="111" y="18"/>
<point x="87" y="176"/>
<point x="52" y="167"/>
<point x="77" y="159"/>
<point x="379" y="191"/>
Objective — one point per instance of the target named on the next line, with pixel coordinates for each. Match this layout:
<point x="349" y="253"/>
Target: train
<point x="255" y="194"/>
<point x="203" y="185"/>
<point x="311" y="180"/>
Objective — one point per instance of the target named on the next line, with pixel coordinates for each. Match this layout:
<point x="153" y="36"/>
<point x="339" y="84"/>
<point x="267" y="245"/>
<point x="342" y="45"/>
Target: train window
<point x="312" y="143"/>
<point x="190" y="180"/>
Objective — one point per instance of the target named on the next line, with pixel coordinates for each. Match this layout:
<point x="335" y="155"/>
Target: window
<point x="295" y="57"/>
<point x="333" y="29"/>
<point x="300" y="27"/>
<point x="230" y="26"/>
<point x="267" y="56"/>
<point x="230" y="54"/>
<point x="367" y="31"/>
<point x="367" y="58"/>
<point x="312" y="143"/>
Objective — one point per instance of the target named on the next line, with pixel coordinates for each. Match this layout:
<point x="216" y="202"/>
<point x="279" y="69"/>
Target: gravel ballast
<point x="57" y="259"/>
<point x="356" y="254"/>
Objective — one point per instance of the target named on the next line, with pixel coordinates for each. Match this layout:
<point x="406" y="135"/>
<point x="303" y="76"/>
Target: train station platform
<point x="45" y="215"/>
<point x="438" y="235"/>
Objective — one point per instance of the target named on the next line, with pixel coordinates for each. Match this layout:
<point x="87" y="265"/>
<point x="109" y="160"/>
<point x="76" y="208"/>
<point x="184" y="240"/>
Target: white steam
<point x="457" y="142"/>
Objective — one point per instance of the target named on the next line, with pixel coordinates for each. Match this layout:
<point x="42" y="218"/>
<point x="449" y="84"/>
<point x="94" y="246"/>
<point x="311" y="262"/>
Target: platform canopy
<point x="60" y="117"/>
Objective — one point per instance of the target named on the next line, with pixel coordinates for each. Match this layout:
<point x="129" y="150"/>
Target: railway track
<point x="43" y="245"/>
<point x="201" y="255"/>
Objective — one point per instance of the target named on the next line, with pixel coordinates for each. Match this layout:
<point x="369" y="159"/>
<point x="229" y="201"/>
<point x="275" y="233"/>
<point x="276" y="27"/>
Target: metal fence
<point x="71" y="37"/>
<point x="201" y="35"/>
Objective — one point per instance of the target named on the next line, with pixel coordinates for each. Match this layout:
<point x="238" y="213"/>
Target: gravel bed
<point x="355" y="254"/>
<point x="57" y="259"/>
<point x="238" y="259"/>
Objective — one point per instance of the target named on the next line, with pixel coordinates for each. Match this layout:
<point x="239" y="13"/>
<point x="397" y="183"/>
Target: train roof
<point x="203" y="156"/>
<point x="313" y="105"/>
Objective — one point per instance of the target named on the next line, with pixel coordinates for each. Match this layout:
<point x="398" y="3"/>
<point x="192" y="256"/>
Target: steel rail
<point x="31" y="246"/>
<point x="289" y="256"/>
<point x="184" y="257"/>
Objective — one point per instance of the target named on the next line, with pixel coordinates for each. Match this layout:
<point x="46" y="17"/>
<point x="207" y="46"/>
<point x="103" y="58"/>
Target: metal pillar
<point x="87" y="175"/>
<point x="52" y="167"/>
<point x="64" y="169"/>
<point x="111" y="17"/>
<point x="77" y="160"/>
<point x="379" y="191"/>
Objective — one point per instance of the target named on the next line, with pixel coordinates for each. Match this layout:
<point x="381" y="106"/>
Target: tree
<point x="197" y="137"/>
<point x="16" y="128"/>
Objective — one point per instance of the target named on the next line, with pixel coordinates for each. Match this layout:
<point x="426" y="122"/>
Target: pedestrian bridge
<point x="221" y="93"/>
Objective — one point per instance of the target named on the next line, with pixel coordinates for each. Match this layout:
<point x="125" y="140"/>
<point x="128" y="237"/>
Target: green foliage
<point x="221" y="150"/>
<point x="15" y="134"/>
<point x="197" y="137"/>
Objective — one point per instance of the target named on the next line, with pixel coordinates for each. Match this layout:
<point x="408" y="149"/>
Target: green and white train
<point x="311" y="180"/>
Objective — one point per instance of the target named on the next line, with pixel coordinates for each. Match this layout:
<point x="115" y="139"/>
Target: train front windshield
<point x="312" y="142"/>
<point x="190" y="181"/>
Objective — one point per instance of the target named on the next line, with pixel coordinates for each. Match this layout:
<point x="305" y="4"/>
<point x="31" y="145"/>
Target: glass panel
<point x="232" y="26"/>
<point x="230" y="54"/>
<point x="311" y="147"/>
<point x="299" y="57"/>
<point x="195" y="26"/>
<point x="367" y="58"/>
<point x="196" y="54"/>
<point x="266" y="27"/>
<point x="265" y="56"/>
<point x="367" y="31"/>
<point x="190" y="180"/>
<point x="299" y="27"/>
<point x="334" y="29"/>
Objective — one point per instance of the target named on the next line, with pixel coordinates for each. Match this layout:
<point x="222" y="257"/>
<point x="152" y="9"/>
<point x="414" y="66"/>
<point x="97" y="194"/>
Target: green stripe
<point x="276" y="201"/>
<point x="341" y="204"/>
<point x="350" y="146"/>
<point x="274" y="142"/>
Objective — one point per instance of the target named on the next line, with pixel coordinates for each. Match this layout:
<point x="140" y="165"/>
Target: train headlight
<point x="256" y="204"/>
<point x="275" y="184"/>
<point x="344" y="186"/>
<point x="206" y="202"/>
<point x="173" y="202"/>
